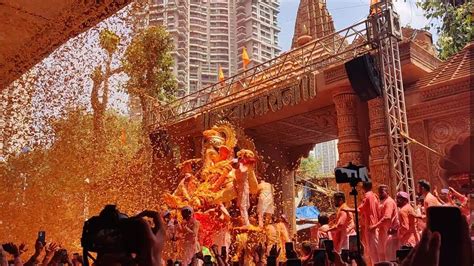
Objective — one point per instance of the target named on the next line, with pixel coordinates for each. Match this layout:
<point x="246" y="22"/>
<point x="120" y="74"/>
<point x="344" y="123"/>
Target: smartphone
<point x="293" y="262"/>
<point x="353" y="244"/>
<point x="224" y="252"/>
<point x="319" y="257"/>
<point x="447" y="221"/>
<point x="290" y="251"/>
<point x="207" y="260"/>
<point x="402" y="254"/>
<point x="329" y="246"/>
<point x="42" y="237"/>
<point x="321" y="242"/>
<point x="345" y="256"/>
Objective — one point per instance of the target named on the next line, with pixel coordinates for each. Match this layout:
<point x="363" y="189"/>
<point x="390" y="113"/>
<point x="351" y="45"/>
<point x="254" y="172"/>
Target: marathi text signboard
<point x="302" y="90"/>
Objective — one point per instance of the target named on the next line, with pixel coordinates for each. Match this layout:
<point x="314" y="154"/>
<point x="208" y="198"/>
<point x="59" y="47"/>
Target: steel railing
<point x="316" y="55"/>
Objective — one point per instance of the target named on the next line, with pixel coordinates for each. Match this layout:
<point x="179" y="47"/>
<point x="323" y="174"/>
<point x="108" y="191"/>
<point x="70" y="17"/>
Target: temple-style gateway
<point x="286" y="118"/>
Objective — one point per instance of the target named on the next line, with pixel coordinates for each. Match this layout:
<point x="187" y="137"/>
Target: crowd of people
<point x="386" y="225"/>
<point x="44" y="254"/>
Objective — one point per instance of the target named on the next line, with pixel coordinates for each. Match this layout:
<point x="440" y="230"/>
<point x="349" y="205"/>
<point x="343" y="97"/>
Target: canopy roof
<point x="31" y="30"/>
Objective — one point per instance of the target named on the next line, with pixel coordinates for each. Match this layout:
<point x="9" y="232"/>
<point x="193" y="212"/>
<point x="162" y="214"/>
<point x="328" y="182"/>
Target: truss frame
<point x="314" y="56"/>
<point x="385" y="34"/>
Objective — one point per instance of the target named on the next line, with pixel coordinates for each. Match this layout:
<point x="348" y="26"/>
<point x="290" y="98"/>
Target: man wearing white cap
<point x="407" y="233"/>
<point x="444" y="197"/>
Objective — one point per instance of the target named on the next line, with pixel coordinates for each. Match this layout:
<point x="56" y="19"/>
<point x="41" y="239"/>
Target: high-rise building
<point x="327" y="155"/>
<point x="209" y="42"/>
<point x="209" y="34"/>
<point x="257" y="30"/>
<point x="174" y="16"/>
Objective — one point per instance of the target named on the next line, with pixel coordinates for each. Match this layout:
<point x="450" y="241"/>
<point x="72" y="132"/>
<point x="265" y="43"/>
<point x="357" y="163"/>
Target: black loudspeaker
<point x="364" y="77"/>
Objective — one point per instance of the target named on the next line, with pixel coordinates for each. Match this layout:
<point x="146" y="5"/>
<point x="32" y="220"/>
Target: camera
<point x="110" y="232"/>
<point x="402" y="253"/>
<point x="352" y="174"/>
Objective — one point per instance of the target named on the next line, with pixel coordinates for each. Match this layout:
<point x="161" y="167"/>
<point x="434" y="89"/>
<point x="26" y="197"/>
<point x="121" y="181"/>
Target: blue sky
<point x="345" y="13"/>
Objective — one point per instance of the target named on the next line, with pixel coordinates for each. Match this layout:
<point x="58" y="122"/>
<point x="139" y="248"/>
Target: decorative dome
<point x="313" y="19"/>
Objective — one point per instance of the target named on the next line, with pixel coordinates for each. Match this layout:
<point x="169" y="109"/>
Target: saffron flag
<point x="245" y="58"/>
<point x="372" y="8"/>
<point x="221" y="74"/>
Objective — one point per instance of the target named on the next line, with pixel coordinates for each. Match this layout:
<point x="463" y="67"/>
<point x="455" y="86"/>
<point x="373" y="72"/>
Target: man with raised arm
<point x="344" y="224"/>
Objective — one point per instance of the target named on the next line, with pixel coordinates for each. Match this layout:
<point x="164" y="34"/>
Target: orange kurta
<point x="369" y="210"/>
<point x="388" y="211"/>
<point x="344" y="226"/>
<point x="407" y="233"/>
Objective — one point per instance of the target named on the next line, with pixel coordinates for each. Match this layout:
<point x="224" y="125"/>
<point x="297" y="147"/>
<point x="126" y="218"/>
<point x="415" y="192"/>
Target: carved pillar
<point x="349" y="145"/>
<point x="288" y="198"/>
<point x="379" y="162"/>
<point x="280" y="165"/>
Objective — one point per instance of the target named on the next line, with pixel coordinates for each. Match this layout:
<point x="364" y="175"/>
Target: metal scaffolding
<point x="385" y="33"/>
<point x="312" y="57"/>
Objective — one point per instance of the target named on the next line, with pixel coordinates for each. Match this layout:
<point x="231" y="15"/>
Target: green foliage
<point x="308" y="168"/>
<point x="148" y="63"/>
<point x="109" y="41"/>
<point x="455" y="30"/>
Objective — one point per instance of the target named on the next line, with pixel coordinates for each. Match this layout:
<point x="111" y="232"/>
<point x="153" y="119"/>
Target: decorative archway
<point x="457" y="164"/>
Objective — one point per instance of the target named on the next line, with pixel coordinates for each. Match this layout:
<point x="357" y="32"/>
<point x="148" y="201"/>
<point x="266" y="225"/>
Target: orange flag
<point x="221" y="74"/>
<point x="245" y="58"/>
<point x="372" y="3"/>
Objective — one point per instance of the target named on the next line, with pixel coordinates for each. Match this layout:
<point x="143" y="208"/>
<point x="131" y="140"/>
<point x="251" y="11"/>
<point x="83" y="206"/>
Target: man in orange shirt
<point x="369" y="211"/>
<point x="344" y="224"/>
<point x="424" y="190"/>
<point x="388" y="222"/>
<point x="321" y="230"/>
<point x="407" y="234"/>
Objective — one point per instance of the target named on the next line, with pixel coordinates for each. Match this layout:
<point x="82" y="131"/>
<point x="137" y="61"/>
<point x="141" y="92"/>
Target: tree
<point x="109" y="41"/>
<point x="308" y="168"/>
<point x="148" y="63"/>
<point x="455" y="30"/>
